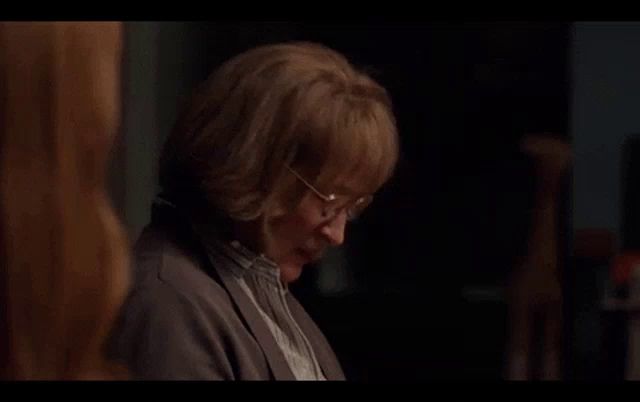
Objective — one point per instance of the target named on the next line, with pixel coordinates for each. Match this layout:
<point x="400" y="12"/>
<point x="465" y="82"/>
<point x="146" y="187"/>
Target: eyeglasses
<point x="332" y="207"/>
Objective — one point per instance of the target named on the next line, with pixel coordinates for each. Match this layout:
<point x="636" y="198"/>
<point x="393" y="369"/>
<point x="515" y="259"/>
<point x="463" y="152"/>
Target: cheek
<point x="297" y="227"/>
<point x="294" y="229"/>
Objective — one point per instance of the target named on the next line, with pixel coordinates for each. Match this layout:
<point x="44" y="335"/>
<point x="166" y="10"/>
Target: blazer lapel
<point x="324" y="353"/>
<point x="248" y="311"/>
<point x="257" y="326"/>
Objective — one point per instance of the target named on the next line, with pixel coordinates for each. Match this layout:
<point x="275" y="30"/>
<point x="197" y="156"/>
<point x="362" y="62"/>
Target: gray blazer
<point x="186" y="319"/>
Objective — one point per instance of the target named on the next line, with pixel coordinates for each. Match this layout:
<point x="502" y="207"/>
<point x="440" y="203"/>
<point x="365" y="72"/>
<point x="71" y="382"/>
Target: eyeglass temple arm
<point x="330" y="197"/>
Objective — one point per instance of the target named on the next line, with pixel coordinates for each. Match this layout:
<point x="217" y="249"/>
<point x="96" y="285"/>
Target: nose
<point x="333" y="231"/>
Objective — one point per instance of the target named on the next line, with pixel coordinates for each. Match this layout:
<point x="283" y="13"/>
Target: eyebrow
<point x="345" y="190"/>
<point x="342" y="187"/>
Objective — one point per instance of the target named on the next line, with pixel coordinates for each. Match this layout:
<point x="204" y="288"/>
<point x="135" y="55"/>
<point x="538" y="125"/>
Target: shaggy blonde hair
<point x="294" y="104"/>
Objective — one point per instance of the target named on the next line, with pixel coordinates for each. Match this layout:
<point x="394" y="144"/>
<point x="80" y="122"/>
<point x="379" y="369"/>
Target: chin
<point x="290" y="272"/>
